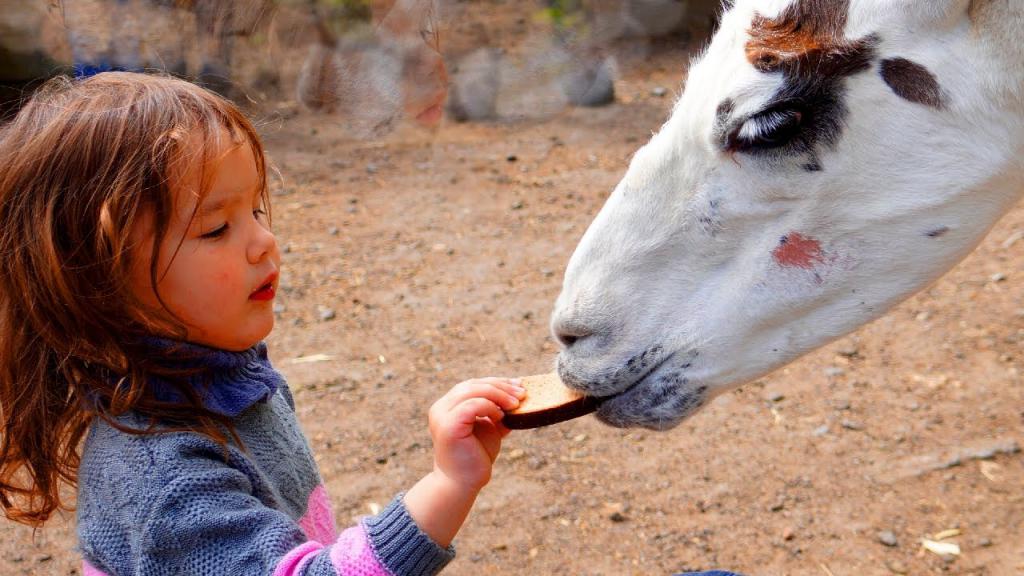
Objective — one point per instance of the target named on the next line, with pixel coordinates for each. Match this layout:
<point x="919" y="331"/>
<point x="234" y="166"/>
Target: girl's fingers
<point x="467" y="412"/>
<point x="479" y="389"/>
<point x="513" y="387"/>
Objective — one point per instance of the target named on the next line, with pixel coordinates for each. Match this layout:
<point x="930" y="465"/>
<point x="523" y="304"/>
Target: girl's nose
<point x="262" y="244"/>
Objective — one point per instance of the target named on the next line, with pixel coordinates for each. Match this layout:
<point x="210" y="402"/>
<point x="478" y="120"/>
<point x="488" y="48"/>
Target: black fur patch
<point x="913" y="82"/>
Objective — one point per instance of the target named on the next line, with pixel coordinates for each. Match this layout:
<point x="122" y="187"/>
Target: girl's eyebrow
<point x="225" y="200"/>
<point x="212" y="207"/>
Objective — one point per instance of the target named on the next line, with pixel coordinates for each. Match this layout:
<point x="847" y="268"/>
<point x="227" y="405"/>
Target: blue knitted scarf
<point x="228" y="383"/>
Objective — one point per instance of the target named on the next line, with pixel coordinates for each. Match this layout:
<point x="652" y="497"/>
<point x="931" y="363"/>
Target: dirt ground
<point x="439" y="255"/>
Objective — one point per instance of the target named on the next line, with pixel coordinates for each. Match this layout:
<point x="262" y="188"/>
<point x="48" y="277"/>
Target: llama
<point x="827" y="159"/>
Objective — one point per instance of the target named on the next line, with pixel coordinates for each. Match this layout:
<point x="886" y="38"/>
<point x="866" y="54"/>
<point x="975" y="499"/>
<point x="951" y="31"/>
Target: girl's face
<point x="222" y="279"/>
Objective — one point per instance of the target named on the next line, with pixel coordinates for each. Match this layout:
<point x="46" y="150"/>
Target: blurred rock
<point x="475" y="80"/>
<point x="589" y="83"/>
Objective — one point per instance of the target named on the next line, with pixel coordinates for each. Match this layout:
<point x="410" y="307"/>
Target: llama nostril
<point x="569" y="335"/>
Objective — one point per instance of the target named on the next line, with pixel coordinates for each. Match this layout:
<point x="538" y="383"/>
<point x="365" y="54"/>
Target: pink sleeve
<point x="351" y="555"/>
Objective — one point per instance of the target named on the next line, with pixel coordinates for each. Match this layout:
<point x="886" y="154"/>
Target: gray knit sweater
<point x="170" y="503"/>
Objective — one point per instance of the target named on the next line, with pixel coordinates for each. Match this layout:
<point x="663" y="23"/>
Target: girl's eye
<point x="258" y="213"/>
<point x="217" y="233"/>
<point x="773" y="128"/>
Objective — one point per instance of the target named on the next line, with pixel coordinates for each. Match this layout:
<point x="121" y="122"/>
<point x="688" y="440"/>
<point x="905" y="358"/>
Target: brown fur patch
<point x="912" y="81"/>
<point x="807" y="39"/>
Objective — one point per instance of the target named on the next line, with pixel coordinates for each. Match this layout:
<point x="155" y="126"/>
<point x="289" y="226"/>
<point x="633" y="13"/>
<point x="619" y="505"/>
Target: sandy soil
<point x="440" y="254"/>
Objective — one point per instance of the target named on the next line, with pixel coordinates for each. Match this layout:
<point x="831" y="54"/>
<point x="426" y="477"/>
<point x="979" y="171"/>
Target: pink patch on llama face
<point x="798" y="251"/>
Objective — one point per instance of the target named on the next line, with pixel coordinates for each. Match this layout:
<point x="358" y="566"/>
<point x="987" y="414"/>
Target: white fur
<point x="679" y="261"/>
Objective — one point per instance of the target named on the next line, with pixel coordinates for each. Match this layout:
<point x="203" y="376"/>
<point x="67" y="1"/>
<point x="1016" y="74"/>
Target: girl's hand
<point x="465" y="425"/>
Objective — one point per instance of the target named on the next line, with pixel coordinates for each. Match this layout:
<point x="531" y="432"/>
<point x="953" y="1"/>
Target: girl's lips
<point x="264" y="293"/>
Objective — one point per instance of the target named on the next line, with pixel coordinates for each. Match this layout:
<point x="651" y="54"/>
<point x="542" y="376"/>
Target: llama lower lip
<point x="263" y="294"/>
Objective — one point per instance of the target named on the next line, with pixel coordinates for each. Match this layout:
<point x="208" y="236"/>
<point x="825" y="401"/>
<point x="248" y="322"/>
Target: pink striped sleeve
<point x="350" y="554"/>
<point x="295" y="561"/>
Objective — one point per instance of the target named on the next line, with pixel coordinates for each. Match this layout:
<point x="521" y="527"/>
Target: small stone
<point x="984" y="542"/>
<point x="511" y="158"/>
<point x="820" y="430"/>
<point x="888" y="538"/>
<point x="518" y="205"/>
<point x="325" y="314"/>
<point x="776" y="396"/>
<point x="517" y="454"/>
<point x="852" y="425"/>
<point x="834" y="371"/>
<point x="788" y="533"/>
<point x="997" y="277"/>
<point x="371" y="168"/>
<point x="279" y="308"/>
<point x="659" y="91"/>
<point x="842" y="404"/>
<point x="848" y="351"/>
<point x="923" y="316"/>
<point x="381" y="460"/>
<point x="45" y="558"/>
<point x="897" y="567"/>
<point x="617" y="517"/>
<point x="333" y="230"/>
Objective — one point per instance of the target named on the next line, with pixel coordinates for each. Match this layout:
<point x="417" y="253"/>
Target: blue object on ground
<point x="711" y="573"/>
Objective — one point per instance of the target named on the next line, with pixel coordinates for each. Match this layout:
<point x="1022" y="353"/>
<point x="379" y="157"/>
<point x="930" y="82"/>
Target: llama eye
<point x="768" y="130"/>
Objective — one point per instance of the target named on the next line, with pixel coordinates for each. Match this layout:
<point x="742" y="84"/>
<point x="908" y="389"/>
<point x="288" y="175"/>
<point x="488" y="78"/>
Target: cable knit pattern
<point x="318" y="522"/>
<point x="179" y="503"/>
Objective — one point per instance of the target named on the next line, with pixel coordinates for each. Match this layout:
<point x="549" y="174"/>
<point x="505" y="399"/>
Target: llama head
<point x="827" y="159"/>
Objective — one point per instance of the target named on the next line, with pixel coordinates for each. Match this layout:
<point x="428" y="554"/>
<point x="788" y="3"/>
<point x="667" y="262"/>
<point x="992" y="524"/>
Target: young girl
<point x="137" y="274"/>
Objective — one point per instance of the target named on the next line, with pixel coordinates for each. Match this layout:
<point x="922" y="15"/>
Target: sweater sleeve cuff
<point x="401" y="546"/>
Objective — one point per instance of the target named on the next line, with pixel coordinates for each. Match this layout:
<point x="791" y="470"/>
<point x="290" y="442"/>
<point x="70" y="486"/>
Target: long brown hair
<point x="80" y="165"/>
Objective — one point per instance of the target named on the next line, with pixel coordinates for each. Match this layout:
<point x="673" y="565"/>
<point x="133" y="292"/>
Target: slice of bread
<point x="547" y="401"/>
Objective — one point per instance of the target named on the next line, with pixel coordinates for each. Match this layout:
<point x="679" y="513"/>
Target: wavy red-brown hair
<point x="80" y="166"/>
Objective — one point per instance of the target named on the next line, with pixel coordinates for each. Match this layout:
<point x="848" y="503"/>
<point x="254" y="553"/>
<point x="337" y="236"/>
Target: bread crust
<point x="547" y="402"/>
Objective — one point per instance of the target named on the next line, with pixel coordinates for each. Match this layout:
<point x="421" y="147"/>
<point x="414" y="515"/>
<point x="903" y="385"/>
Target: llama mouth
<point x="638" y="367"/>
<point x="641" y="379"/>
<point x="662" y="398"/>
